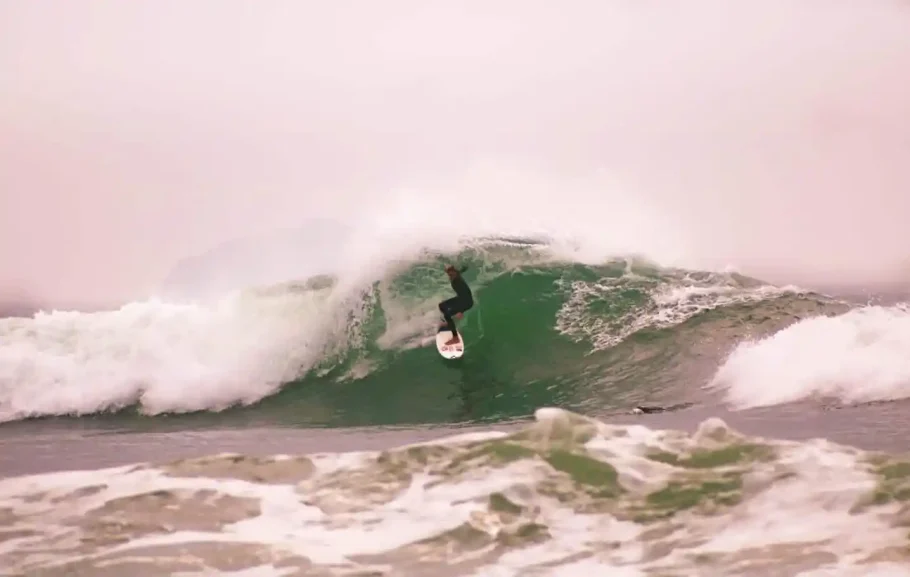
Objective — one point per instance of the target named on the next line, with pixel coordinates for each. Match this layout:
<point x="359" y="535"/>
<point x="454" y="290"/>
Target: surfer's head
<point x="450" y="270"/>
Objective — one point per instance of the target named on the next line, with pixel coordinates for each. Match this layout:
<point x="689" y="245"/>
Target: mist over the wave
<point x="773" y="136"/>
<point x="260" y="261"/>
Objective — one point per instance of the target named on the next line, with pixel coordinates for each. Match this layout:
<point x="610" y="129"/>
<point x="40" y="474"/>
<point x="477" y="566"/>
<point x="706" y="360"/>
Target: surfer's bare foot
<point x="452" y="341"/>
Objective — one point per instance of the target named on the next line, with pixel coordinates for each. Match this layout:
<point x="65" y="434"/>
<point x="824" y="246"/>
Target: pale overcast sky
<point x="774" y="134"/>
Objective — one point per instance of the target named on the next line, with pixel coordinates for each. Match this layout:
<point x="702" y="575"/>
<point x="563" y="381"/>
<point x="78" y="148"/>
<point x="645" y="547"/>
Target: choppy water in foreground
<point x="564" y="495"/>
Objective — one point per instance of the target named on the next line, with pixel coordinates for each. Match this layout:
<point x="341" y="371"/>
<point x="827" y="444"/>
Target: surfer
<point x="455" y="306"/>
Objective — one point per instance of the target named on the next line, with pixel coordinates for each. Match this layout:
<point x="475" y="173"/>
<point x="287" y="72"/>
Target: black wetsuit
<point x="462" y="301"/>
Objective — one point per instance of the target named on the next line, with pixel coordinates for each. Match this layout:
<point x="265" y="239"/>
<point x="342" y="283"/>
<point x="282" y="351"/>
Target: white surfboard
<point x="449" y="351"/>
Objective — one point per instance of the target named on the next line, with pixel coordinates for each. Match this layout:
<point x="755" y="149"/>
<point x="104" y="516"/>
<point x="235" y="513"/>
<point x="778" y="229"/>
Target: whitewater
<point x="565" y="495"/>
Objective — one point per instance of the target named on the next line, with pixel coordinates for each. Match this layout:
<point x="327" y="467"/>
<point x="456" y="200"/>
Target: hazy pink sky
<point x="135" y="133"/>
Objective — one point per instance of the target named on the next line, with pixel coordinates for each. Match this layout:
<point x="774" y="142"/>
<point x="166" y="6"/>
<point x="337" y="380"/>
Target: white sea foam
<point x="858" y="356"/>
<point x="663" y="303"/>
<point x="165" y="357"/>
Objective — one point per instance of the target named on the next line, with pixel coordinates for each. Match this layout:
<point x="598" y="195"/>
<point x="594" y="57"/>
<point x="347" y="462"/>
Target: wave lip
<point x="859" y="356"/>
<point x="566" y="495"/>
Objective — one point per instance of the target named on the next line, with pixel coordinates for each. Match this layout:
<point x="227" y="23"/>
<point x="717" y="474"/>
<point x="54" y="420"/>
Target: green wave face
<point x="541" y="333"/>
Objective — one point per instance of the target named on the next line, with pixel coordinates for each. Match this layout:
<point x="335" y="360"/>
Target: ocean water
<point x="615" y="417"/>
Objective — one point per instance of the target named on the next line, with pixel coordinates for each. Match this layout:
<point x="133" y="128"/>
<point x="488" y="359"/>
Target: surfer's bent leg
<point x="452" y="307"/>
<point x="449" y="308"/>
